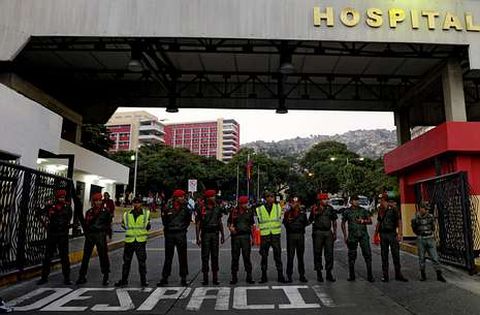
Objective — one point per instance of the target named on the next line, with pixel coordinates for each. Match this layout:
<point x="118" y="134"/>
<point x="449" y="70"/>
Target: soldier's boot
<point x="205" y="278"/>
<point x="319" y="276"/>
<point x="351" y="273"/>
<point x="440" y="276"/>
<point x="264" y="277"/>
<point x="370" y="277"/>
<point x="183" y="282"/>
<point x="249" y="278"/>
<point x="423" y="275"/>
<point x="303" y="279"/>
<point x="105" y="279"/>
<point x="163" y="281"/>
<point x="280" y="277"/>
<point x="81" y="279"/>
<point x="67" y="281"/>
<point x="42" y="280"/>
<point x="289" y="279"/>
<point x="215" y="278"/>
<point x="385" y="277"/>
<point x="330" y="276"/>
<point x="121" y="283"/>
<point x="143" y="281"/>
<point x="234" y="278"/>
<point x="399" y="276"/>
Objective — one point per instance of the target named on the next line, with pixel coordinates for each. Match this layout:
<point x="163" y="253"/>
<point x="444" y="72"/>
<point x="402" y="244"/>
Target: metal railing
<point x="24" y="195"/>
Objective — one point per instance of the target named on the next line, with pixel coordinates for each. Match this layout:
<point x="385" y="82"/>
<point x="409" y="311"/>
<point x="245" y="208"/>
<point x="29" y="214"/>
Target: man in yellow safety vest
<point x="136" y="222"/>
<point x="269" y="218"/>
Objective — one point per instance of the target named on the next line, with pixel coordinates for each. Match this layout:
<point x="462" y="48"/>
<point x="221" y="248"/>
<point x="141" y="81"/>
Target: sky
<point x="268" y="126"/>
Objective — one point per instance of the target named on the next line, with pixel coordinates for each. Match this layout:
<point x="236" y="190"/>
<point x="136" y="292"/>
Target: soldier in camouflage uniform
<point x="389" y="220"/>
<point x="357" y="218"/>
<point x="423" y="225"/>
<point x="209" y="225"/>
<point x="176" y="218"/>
<point x="240" y="223"/>
<point x="324" y="234"/>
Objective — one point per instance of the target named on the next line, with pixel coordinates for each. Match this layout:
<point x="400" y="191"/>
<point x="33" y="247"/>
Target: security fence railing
<point x="24" y="195"/>
<point x="455" y="211"/>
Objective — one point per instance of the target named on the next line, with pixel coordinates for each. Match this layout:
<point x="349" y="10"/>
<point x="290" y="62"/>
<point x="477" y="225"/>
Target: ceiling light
<point x="286" y="68"/>
<point x="134" y="64"/>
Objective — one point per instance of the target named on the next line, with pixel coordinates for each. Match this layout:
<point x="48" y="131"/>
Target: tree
<point x="96" y="138"/>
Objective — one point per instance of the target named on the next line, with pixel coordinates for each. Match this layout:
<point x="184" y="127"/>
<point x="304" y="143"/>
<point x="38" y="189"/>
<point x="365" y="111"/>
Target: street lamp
<point x="134" y="157"/>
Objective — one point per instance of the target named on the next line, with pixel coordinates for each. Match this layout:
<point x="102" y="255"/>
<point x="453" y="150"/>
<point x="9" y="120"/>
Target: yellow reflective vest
<point x="270" y="223"/>
<point x="136" y="229"/>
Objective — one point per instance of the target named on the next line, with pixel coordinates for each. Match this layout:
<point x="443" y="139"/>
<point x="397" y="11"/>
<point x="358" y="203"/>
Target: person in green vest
<point x="209" y="226"/>
<point x="136" y="222"/>
<point x="357" y="219"/>
<point x="269" y="218"/>
<point x="240" y="223"/>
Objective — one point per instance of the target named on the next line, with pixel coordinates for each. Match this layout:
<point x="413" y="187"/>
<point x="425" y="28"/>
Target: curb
<point x="412" y="249"/>
<point x="75" y="258"/>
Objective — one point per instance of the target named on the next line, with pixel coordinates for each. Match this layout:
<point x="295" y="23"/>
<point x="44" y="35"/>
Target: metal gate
<point x="456" y="217"/>
<point x="24" y="193"/>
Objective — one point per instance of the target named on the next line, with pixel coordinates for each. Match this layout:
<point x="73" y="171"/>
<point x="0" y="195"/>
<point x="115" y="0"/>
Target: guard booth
<point x="442" y="167"/>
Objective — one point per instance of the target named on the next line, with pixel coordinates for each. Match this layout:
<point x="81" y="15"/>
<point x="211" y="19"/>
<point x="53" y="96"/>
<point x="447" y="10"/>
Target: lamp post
<point x="135" y="158"/>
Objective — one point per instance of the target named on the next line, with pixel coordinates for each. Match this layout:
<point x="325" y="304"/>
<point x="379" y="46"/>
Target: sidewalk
<point x="76" y="252"/>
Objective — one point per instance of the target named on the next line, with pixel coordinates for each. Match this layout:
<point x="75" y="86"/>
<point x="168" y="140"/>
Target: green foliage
<point x="96" y="138"/>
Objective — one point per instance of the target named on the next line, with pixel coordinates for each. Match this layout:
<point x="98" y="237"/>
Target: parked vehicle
<point x="338" y="204"/>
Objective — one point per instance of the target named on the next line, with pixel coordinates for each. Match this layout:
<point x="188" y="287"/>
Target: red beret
<point x="210" y="193"/>
<point x="322" y="196"/>
<point x="61" y="193"/>
<point x="243" y="200"/>
<point x="97" y="196"/>
<point x="178" y="193"/>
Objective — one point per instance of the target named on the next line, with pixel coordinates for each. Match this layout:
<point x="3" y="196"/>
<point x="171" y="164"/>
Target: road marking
<point x="200" y="294"/>
<point x="161" y="294"/>
<point x="58" y="293"/>
<point x="240" y="301"/>
<point x="294" y="297"/>
<point x="323" y="297"/>
<point x="126" y="303"/>
<point x="58" y="306"/>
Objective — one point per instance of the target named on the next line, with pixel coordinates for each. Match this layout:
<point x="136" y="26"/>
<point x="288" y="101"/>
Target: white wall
<point x="26" y="127"/>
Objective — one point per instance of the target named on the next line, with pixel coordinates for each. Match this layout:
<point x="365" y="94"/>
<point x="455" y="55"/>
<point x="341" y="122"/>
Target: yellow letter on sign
<point x="350" y="17"/>
<point x="396" y="16"/>
<point x="375" y="18"/>
<point x="318" y="16"/>
<point x="450" y="21"/>
<point x="471" y="27"/>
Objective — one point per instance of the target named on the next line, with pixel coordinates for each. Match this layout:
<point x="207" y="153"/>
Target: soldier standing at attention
<point x="209" y="225"/>
<point x="96" y="224"/>
<point x="324" y="234"/>
<point x="423" y="225"/>
<point x="269" y="218"/>
<point x="176" y="219"/>
<point x="136" y="222"/>
<point x="295" y="221"/>
<point x="357" y="218"/>
<point x="240" y="223"/>
<point x="388" y="222"/>
<point x="59" y="217"/>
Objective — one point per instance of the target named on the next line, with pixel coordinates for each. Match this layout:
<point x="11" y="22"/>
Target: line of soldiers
<point x="269" y="217"/>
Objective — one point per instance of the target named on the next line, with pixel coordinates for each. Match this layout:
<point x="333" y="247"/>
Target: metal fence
<point x="24" y="194"/>
<point x="456" y="217"/>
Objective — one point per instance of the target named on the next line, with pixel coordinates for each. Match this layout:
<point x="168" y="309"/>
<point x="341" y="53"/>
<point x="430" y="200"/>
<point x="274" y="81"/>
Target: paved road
<point x="461" y="295"/>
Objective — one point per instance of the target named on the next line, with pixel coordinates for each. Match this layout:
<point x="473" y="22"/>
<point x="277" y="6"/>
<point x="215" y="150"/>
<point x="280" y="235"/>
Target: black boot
<point x="330" y="276"/>
<point x="423" y="275"/>
<point x="183" y="282"/>
<point x="143" y="281"/>
<point x="385" y="277"/>
<point x="121" y="283"/>
<point x="249" y="278"/>
<point x="319" y="276"/>
<point x="205" y="278"/>
<point x="163" y="282"/>
<point x="289" y="279"/>
<point x="67" y="281"/>
<point x="81" y="280"/>
<point x="280" y="277"/>
<point x="303" y="279"/>
<point x="105" y="279"/>
<point x="42" y="281"/>
<point x="234" y="278"/>
<point x="264" y="277"/>
<point x="370" y="277"/>
<point x="215" y="278"/>
<point x="399" y="276"/>
<point x="440" y="276"/>
<point x="351" y="273"/>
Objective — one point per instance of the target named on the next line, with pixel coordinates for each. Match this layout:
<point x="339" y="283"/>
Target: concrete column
<point x="453" y="94"/>
<point x="402" y="121"/>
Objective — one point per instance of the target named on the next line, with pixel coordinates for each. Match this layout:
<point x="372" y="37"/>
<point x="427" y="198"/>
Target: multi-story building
<point x="219" y="139"/>
<point x="130" y="129"/>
